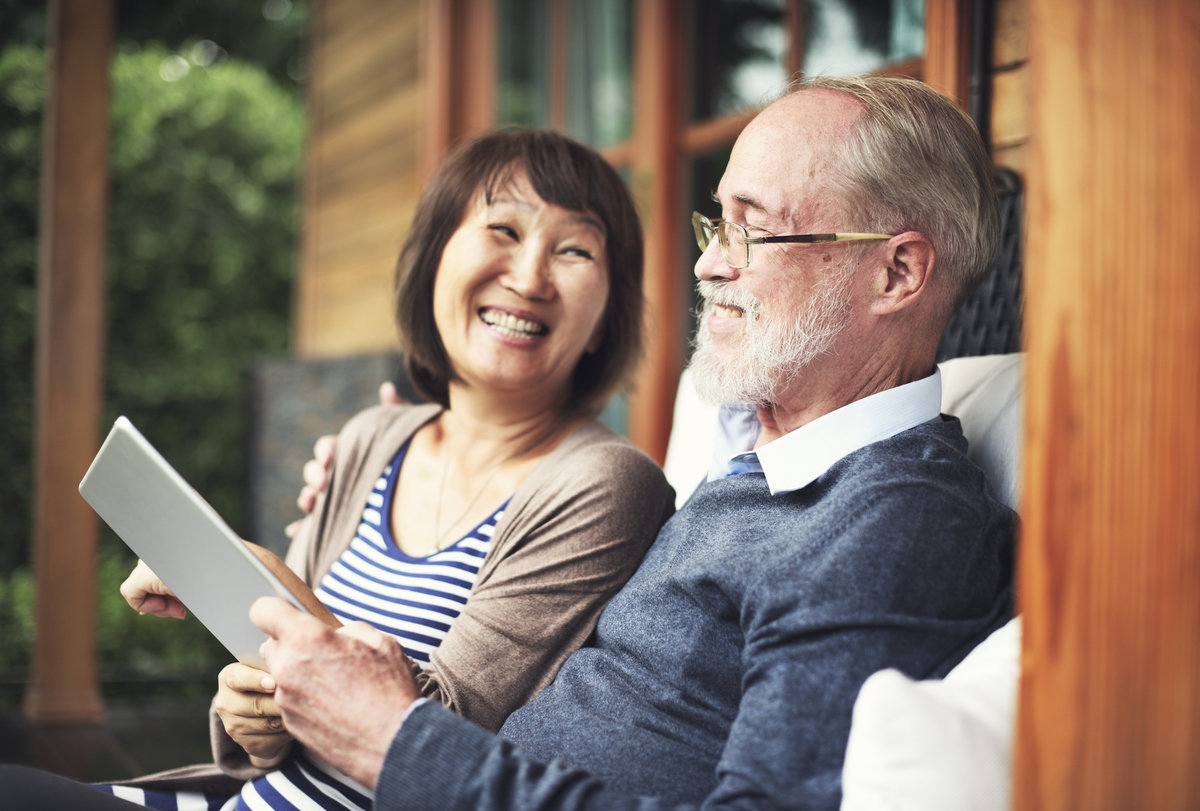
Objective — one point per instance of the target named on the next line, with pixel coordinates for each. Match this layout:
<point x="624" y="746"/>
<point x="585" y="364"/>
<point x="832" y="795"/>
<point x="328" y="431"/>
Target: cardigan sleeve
<point x="566" y="551"/>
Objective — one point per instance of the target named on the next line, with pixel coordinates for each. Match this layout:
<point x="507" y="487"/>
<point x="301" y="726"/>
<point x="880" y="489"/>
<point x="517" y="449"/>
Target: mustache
<point x="722" y="294"/>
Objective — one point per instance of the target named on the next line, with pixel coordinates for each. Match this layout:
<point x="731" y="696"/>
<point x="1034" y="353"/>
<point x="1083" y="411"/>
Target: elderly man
<point x="856" y="535"/>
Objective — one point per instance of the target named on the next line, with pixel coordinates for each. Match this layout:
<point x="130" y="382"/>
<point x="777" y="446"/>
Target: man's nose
<point x="712" y="265"/>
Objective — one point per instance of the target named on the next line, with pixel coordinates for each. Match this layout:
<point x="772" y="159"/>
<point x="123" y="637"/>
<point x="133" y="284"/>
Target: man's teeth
<point x="727" y="312"/>
<point x="511" y="325"/>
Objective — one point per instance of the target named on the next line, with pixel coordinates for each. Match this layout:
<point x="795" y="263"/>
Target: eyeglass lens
<point x="734" y="249"/>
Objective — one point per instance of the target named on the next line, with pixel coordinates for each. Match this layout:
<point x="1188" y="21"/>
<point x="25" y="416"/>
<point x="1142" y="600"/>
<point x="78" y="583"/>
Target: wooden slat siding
<point x="349" y="233"/>
<point x="365" y="154"/>
<point x="69" y="360"/>
<point x="350" y="26"/>
<point x="375" y="64"/>
<point x="370" y="148"/>
<point x="1109" y="711"/>
<point x="656" y="177"/>
<point x="1010" y="124"/>
<point x="947" y="51"/>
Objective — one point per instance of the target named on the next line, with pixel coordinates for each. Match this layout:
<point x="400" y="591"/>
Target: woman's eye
<point x="508" y="231"/>
<point x="583" y="253"/>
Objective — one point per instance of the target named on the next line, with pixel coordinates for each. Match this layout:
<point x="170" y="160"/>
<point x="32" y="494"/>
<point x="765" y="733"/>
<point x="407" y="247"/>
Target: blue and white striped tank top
<point x="415" y="599"/>
<point x="412" y="598"/>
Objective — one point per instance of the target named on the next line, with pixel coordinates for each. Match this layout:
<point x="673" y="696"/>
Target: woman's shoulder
<point x="594" y="443"/>
<point x="382" y="420"/>
<point x="596" y="460"/>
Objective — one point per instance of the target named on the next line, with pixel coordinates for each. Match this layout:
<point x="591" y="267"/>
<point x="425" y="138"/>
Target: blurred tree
<point x="205" y="157"/>
<point x="267" y="33"/>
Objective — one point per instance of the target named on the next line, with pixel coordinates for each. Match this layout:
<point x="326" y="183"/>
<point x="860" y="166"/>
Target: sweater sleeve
<point x="573" y="545"/>
<point x="440" y="760"/>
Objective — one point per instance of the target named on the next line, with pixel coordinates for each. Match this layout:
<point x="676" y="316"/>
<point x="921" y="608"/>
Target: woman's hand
<point x="146" y="594"/>
<point x="246" y="705"/>
<point x="316" y="470"/>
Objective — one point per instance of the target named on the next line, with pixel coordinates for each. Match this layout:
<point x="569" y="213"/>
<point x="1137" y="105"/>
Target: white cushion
<point x="985" y="394"/>
<point x="934" y="745"/>
<point x="693" y="440"/>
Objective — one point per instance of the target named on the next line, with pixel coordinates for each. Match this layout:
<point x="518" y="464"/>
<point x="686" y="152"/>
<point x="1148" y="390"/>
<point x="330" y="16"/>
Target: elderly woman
<point x="488" y="528"/>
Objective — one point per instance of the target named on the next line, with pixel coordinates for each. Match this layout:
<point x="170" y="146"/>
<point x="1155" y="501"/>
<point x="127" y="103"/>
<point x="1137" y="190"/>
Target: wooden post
<point x="1109" y="713"/>
<point x="947" y="52"/>
<point x="69" y="360"/>
<point x="656" y="173"/>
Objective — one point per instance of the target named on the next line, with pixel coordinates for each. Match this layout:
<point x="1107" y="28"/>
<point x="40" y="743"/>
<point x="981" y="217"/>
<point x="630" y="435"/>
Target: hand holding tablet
<point x="186" y="544"/>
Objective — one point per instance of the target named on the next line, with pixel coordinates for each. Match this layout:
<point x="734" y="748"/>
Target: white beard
<point x="773" y="352"/>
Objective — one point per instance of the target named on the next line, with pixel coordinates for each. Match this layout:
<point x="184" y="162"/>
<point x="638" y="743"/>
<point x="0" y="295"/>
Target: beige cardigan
<point x="573" y="533"/>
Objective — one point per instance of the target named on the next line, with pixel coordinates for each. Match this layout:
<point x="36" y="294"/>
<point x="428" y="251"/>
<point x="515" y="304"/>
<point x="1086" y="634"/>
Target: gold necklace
<point x="438" y="532"/>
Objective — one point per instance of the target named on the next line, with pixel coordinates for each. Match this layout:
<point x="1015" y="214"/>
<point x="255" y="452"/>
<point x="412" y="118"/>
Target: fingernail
<point x="268" y="683"/>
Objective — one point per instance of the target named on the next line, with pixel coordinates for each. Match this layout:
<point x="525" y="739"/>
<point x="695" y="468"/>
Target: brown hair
<point x="564" y="173"/>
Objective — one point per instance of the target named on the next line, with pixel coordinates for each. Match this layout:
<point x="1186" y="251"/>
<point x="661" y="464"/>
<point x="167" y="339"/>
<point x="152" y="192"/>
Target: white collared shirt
<point x="797" y="458"/>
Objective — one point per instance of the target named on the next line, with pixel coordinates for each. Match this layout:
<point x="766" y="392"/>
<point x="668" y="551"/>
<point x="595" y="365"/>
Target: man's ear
<point x="906" y="275"/>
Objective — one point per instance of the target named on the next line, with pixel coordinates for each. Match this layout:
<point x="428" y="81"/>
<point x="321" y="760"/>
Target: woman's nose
<point x="528" y="274"/>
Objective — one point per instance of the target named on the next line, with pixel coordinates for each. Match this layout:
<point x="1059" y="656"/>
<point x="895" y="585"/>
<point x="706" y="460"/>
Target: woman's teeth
<point x="511" y="325"/>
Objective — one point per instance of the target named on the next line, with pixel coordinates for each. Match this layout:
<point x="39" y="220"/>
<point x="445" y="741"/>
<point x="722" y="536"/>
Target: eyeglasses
<point x="736" y="241"/>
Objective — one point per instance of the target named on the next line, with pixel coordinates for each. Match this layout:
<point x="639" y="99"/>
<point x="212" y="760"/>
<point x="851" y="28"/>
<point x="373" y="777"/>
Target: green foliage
<point x="21" y="93"/>
<point x="267" y="33"/>
<point x="204" y="165"/>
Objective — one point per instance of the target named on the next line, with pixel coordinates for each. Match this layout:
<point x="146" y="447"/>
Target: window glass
<point x="740" y="49"/>
<point x="522" y="94"/>
<point x="739" y="57"/>
<point x="599" y="59"/>
<point x="846" y="37"/>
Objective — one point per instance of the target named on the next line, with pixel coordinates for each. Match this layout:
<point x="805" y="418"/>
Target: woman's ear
<point x="907" y="272"/>
<point x="593" y="345"/>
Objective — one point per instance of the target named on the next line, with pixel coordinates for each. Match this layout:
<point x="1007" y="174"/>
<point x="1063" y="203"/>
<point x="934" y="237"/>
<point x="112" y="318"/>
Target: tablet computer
<point x="182" y="538"/>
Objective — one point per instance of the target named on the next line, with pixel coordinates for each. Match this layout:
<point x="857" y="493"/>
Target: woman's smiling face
<point x="520" y="292"/>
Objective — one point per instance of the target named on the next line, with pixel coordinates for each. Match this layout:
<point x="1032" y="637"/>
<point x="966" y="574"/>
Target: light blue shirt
<point x="797" y="458"/>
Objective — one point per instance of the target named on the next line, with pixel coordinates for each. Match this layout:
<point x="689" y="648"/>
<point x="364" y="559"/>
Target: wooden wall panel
<point x="1109" y="712"/>
<point x="364" y="162"/>
<point x="1010" y="125"/>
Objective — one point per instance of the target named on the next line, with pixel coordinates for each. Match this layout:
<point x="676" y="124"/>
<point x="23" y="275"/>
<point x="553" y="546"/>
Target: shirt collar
<point x="797" y="458"/>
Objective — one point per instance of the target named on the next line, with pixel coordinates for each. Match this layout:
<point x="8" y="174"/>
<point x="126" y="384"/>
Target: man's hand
<point x="342" y="693"/>
<point x="146" y="594"/>
<point x="316" y="470"/>
<point x="246" y="704"/>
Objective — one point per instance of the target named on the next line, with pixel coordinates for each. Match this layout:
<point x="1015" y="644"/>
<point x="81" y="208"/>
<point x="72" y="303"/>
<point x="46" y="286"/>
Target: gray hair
<point x="915" y="162"/>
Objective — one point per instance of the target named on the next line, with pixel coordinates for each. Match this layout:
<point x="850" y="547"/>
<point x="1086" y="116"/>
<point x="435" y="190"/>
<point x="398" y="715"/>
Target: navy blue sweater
<point x="725" y="671"/>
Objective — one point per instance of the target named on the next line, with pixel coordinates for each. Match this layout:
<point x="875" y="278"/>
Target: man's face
<point x="764" y="325"/>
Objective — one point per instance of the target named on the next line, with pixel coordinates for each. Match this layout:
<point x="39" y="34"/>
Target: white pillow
<point x="933" y="745"/>
<point x="984" y="392"/>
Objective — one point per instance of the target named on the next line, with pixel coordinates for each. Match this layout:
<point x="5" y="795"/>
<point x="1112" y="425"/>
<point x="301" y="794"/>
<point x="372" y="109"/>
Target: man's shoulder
<point x="935" y="450"/>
